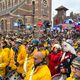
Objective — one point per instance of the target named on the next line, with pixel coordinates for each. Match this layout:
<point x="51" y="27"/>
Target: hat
<point x="76" y="62"/>
<point x="57" y="46"/>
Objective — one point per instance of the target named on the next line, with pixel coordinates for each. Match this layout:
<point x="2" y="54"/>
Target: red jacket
<point x="54" y="60"/>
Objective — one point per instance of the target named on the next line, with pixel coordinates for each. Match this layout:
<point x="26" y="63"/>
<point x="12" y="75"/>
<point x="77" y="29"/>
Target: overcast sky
<point x="72" y="5"/>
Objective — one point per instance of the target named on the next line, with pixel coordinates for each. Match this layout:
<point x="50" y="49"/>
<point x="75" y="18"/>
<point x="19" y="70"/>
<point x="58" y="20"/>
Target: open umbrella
<point x="69" y="21"/>
<point x="67" y="26"/>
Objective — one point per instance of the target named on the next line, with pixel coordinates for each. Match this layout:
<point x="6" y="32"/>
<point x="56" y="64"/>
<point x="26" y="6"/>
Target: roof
<point x="10" y="10"/>
<point x="61" y="8"/>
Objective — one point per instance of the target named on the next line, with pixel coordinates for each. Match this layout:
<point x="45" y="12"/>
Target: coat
<point x="70" y="78"/>
<point x="11" y="60"/>
<point x="4" y="61"/>
<point x="28" y="64"/>
<point x="21" y="58"/>
<point x="40" y="73"/>
<point x="54" y="61"/>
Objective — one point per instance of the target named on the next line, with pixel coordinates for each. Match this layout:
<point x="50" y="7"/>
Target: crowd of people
<point x="52" y="56"/>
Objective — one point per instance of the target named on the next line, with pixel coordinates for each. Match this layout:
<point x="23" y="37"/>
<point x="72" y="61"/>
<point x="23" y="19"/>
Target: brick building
<point x="61" y="14"/>
<point x="27" y="12"/>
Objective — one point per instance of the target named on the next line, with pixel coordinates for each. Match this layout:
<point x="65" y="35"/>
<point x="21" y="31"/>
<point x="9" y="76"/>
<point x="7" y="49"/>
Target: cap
<point x="76" y="62"/>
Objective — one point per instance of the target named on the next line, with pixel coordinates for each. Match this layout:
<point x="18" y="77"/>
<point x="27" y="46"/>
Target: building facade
<point x="61" y="14"/>
<point x="26" y="12"/>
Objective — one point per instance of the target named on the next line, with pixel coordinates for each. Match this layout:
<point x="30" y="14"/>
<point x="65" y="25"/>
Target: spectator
<point x="40" y="71"/>
<point x="75" y="69"/>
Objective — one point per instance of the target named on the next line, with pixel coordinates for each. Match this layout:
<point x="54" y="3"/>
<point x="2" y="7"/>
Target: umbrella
<point x="79" y="23"/>
<point x="56" y="28"/>
<point x="69" y="21"/>
<point x="67" y="26"/>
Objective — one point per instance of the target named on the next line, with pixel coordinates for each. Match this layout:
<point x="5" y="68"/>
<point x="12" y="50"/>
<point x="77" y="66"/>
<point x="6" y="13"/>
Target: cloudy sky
<point x="72" y="5"/>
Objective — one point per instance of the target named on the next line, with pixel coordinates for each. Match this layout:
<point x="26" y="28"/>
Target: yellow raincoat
<point x="21" y="58"/>
<point x="12" y="61"/>
<point x="28" y="64"/>
<point x="45" y="52"/>
<point x="75" y="45"/>
<point x="4" y="60"/>
<point x="70" y="78"/>
<point x="40" y="73"/>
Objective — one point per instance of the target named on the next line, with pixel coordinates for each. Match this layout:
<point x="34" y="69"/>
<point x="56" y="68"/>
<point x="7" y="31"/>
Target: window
<point x="45" y="8"/>
<point x="5" y="3"/>
<point x="45" y="3"/>
<point x="8" y="3"/>
<point x="2" y="24"/>
<point x="16" y="1"/>
<point x="12" y="2"/>
<point x="28" y="1"/>
<point x="0" y="6"/>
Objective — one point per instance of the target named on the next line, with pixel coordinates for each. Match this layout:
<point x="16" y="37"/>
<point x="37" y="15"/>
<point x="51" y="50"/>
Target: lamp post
<point x="33" y="12"/>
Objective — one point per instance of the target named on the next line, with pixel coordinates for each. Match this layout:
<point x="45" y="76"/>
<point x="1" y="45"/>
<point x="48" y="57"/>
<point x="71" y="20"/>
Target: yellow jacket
<point x="4" y="60"/>
<point x="21" y="58"/>
<point x="35" y="50"/>
<point x="70" y="78"/>
<point x="11" y="58"/>
<point x="40" y="73"/>
<point x="28" y="64"/>
<point x="75" y="45"/>
<point x="45" y="52"/>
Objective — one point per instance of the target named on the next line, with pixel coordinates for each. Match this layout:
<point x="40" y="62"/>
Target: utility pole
<point x="33" y="12"/>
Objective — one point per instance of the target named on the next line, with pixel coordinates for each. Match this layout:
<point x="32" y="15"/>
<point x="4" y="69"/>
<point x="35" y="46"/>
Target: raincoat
<point x="21" y="58"/>
<point x="45" y="52"/>
<point x="4" y="61"/>
<point x="54" y="61"/>
<point x="28" y="64"/>
<point x="71" y="78"/>
<point x="11" y="60"/>
<point x="40" y="73"/>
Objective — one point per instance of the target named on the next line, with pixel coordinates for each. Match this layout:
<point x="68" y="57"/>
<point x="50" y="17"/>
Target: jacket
<point x="28" y="64"/>
<point x="54" y="60"/>
<point x="40" y="73"/>
<point x="11" y="60"/>
<point x="4" y="61"/>
<point x="70" y="78"/>
<point x="21" y="58"/>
